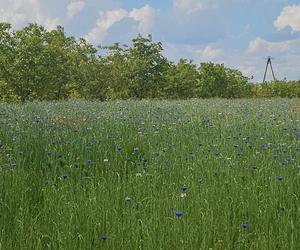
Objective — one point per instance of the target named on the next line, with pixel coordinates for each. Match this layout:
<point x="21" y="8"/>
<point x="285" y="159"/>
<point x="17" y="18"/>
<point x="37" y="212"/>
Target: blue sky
<point x="238" y="33"/>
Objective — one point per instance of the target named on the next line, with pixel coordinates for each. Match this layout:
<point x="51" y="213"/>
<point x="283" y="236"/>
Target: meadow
<point x="195" y="174"/>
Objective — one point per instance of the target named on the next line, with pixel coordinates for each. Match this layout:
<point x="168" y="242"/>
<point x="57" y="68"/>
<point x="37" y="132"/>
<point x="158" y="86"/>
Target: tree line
<point x="36" y="64"/>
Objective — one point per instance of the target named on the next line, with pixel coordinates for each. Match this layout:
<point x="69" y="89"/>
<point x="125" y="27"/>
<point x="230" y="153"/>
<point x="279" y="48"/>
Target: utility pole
<point x="269" y="62"/>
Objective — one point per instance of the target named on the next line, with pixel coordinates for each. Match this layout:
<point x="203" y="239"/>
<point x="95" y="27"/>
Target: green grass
<point x="71" y="172"/>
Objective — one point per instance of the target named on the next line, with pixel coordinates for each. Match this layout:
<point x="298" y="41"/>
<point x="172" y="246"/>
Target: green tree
<point x="57" y="62"/>
<point x="86" y="71"/>
<point x="117" y="73"/>
<point x="181" y="80"/>
<point x="24" y="70"/>
<point x="218" y="81"/>
<point x="6" y="57"/>
<point x="147" y="68"/>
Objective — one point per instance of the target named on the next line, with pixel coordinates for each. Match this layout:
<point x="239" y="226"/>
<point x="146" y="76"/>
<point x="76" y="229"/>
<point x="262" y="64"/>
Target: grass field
<point x="198" y="174"/>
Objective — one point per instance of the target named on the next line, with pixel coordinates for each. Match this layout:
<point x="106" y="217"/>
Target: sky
<point x="239" y="33"/>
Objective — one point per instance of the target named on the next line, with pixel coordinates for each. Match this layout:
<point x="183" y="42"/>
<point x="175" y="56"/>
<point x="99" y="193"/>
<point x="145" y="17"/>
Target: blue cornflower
<point x="184" y="188"/>
<point x="280" y="178"/>
<point x="259" y="117"/>
<point x="274" y="156"/>
<point x="13" y="165"/>
<point x="283" y="162"/>
<point x="65" y="175"/>
<point x="103" y="237"/>
<point x="90" y="162"/>
<point x="179" y="214"/>
<point x="216" y="154"/>
<point x="46" y="181"/>
<point x="265" y="146"/>
<point x="244" y="225"/>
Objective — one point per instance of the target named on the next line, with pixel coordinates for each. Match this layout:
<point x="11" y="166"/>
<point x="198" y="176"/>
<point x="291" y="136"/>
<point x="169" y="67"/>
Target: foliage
<point x="36" y="64"/>
<point x="182" y="80"/>
<point x="146" y="68"/>
<point x="218" y="81"/>
<point x="290" y="89"/>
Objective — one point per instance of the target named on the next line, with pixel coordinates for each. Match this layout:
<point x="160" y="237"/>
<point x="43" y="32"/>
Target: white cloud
<point x="145" y="17"/>
<point x="209" y="53"/>
<point x="197" y="53"/>
<point x="74" y="8"/>
<point x="108" y="19"/>
<point x="247" y="70"/>
<point x="17" y="12"/>
<point x="262" y="46"/>
<point x="289" y="16"/>
<point x="191" y="6"/>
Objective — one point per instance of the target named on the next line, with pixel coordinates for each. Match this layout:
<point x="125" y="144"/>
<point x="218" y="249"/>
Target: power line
<point x="269" y="62"/>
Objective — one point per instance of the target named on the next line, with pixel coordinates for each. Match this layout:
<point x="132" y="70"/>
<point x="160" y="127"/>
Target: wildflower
<point x="179" y="214"/>
<point x="283" y="162"/>
<point x="183" y="195"/>
<point x="46" y="181"/>
<point x="156" y="154"/>
<point x="65" y="175"/>
<point x="105" y="160"/>
<point x="239" y="153"/>
<point x="216" y="154"/>
<point x="103" y="237"/>
<point x="244" y="225"/>
<point x="90" y="162"/>
<point x="265" y="146"/>
<point x="13" y="165"/>
<point x="280" y="178"/>
<point x="127" y="199"/>
<point x="259" y="117"/>
<point x="184" y="188"/>
<point x="138" y="174"/>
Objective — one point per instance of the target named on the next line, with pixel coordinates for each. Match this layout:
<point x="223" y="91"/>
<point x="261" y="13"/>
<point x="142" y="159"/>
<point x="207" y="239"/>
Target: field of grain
<point x="197" y="174"/>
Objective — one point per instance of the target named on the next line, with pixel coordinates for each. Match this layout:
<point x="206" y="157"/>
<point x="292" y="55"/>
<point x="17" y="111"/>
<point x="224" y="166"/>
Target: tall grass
<point x="117" y="175"/>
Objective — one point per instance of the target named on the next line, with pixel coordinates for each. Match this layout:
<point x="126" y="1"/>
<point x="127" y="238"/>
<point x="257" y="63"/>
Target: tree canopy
<point x="36" y="64"/>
